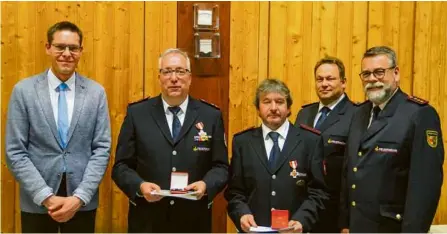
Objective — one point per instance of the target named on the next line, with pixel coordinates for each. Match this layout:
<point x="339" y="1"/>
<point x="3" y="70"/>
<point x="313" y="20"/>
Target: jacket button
<point x="273" y="176"/>
<point x="174" y="152"/>
<point x="353" y="203"/>
<point x="174" y="169"/>
<point x="398" y="217"/>
<point x="273" y="193"/>
<point x="172" y="202"/>
<point x="354" y="169"/>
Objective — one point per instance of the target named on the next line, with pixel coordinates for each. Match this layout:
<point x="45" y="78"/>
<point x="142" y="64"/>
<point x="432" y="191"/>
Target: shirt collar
<point x="333" y="104"/>
<point x="282" y="130"/>
<point x="55" y="82"/>
<point x="182" y="106"/>
<point x="382" y="106"/>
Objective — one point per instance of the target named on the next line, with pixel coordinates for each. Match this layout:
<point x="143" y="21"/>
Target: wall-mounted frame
<point x="206" y="16"/>
<point x="207" y="45"/>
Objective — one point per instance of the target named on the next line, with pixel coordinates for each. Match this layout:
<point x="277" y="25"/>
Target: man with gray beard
<point x="393" y="172"/>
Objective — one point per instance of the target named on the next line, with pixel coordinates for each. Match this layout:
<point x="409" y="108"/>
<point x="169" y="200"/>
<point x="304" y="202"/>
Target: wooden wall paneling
<point x="129" y="68"/>
<point x="248" y="66"/>
<point x="288" y="40"/>
<point x="351" y="43"/>
<point x="405" y="40"/>
<point x="307" y="89"/>
<point x="160" y="33"/>
<point x="359" y="43"/>
<point x="9" y="77"/>
<point x="212" y="88"/>
<point x="392" y="24"/>
<point x="429" y="70"/>
<point x="278" y="40"/>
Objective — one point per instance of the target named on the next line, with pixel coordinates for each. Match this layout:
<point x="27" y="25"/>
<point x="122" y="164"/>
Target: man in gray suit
<point x="58" y="140"/>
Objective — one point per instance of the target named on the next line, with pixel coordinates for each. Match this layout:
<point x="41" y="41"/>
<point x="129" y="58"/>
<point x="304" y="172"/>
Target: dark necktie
<point x="376" y="111"/>
<point x="274" y="153"/>
<point x="324" y="112"/>
<point x="176" y="126"/>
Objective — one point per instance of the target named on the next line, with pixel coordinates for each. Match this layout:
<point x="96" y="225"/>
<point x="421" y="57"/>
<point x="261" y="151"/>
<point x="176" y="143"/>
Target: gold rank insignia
<point x="432" y="138"/>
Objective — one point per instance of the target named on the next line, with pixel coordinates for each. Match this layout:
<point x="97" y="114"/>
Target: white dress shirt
<point x="268" y="142"/>
<point x="180" y="114"/>
<point x="53" y="83"/>
<point x="331" y="106"/>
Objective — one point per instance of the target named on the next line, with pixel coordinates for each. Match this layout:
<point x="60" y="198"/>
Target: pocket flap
<point x="392" y="211"/>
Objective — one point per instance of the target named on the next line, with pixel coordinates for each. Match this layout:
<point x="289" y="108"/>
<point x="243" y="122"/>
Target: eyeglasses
<point x="179" y="72"/>
<point x="378" y="73"/>
<point x="60" y="48"/>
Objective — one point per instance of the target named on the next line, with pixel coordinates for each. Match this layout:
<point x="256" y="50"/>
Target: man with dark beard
<point x="393" y="173"/>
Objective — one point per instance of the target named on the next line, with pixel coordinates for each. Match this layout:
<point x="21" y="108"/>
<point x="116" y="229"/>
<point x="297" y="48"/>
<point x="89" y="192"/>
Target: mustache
<point x="377" y="84"/>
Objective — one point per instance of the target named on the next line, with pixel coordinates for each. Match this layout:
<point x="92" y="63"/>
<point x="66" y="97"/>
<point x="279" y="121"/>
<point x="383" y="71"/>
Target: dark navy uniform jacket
<point x="393" y="174"/>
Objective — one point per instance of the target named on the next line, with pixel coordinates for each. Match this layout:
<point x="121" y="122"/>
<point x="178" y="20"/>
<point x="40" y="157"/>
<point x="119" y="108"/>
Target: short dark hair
<point x="273" y="85"/>
<point x="332" y="60"/>
<point x="379" y="50"/>
<point x="63" y="25"/>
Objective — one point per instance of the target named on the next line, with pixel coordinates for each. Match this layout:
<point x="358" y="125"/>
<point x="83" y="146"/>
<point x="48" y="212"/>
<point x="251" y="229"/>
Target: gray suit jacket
<point x="34" y="155"/>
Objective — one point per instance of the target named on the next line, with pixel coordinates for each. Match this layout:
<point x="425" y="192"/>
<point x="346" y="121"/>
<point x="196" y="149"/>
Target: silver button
<point x="174" y="152"/>
<point x="273" y="193"/>
<point x="172" y="202"/>
<point x="273" y="176"/>
<point x="174" y="169"/>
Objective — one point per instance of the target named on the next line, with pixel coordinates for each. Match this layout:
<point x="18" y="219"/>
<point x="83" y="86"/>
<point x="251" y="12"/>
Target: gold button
<point x="398" y="217"/>
<point x="360" y="153"/>
<point x="354" y="169"/>
<point x="353" y="203"/>
<point x="353" y="186"/>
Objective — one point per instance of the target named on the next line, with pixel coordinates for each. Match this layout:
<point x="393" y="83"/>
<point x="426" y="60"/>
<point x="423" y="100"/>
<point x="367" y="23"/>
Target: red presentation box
<point x="280" y="219"/>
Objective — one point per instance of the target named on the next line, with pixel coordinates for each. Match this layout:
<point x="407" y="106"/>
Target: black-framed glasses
<point x="378" y="73"/>
<point x="179" y="72"/>
<point x="60" y="48"/>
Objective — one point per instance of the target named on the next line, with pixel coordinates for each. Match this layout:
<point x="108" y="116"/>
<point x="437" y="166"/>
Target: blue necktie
<point x="176" y="126"/>
<point x="275" y="152"/>
<point x="324" y="112"/>
<point x="62" y="117"/>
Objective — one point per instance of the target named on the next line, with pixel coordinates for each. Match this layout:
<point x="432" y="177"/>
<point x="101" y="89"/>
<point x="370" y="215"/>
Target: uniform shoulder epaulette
<point x="210" y="104"/>
<point x="245" y="130"/>
<point x="309" y="104"/>
<point x="310" y="129"/>
<point x="360" y="103"/>
<point x="141" y="100"/>
<point x="417" y="100"/>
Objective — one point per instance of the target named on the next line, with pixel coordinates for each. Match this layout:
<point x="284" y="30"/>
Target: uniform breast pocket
<point x="386" y="148"/>
<point x="335" y="144"/>
<point x="202" y="146"/>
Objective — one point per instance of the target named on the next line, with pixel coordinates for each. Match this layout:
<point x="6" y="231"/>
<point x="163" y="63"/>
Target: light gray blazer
<point x="33" y="153"/>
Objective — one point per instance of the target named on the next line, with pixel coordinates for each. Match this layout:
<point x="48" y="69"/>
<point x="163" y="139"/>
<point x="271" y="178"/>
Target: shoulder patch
<point x="310" y="129"/>
<point x="246" y="130"/>
<point x="310" y="104"/>
<point x="210" y="104"/>
<point x="141" y="100"/>
<point x="417" y="100"/>
<point x="360" y="103"/>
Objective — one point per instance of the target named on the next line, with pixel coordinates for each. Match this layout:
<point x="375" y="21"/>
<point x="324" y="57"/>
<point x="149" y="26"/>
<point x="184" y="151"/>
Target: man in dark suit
<point x="274" y="166"/>
<point x="394" y="156"/>
<point x="172" y="132"/>
<point x="332" y="116"/>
